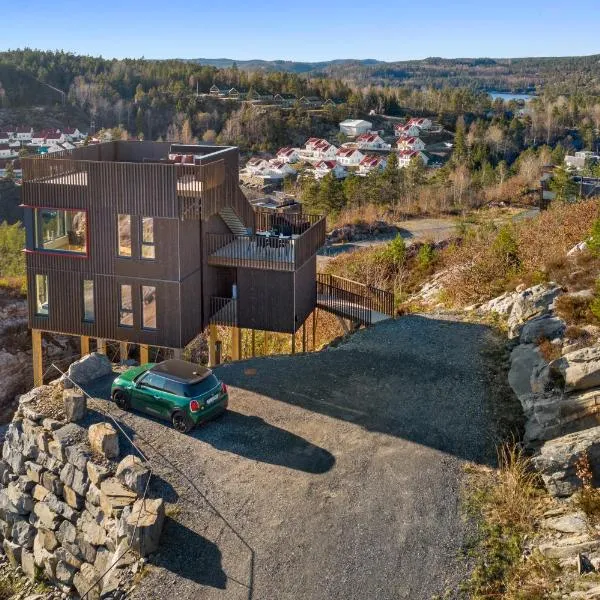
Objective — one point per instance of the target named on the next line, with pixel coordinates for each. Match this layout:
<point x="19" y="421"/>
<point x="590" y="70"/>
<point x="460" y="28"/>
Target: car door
<point x="146" y="395"/>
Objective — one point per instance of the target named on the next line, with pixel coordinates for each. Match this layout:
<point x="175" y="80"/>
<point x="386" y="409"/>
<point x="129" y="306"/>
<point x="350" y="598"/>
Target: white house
<point x="407" y="129"/>
<point x="286" y="99"/>
<point x="23" y="134"/>
<point x="410" y="142"/>
<point x="6" y="151"/>
<point x="349" y="157"/>
<point x="5" y="137"/>
<point x="371" y="141"/>
<point x="318" y="148"/>
<point x="72" y="134"/>
<point x="53" y="138"/>
<point x="324" y="167"/>
<point x="421" y="123"/>
<point x="255" y="165"/>
<point x="288" y="154"/>
<point x="371" y="163"/>
<point x="38" y="138"/>
<point x="279" y="168"/>
<point x="405" y="156"/>
<point x="354" y="127"/>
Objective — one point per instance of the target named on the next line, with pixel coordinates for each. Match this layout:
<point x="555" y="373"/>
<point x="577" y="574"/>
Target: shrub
<point x="12" y="242"/>
<point x="548" y="350"/>
<point x="593" y="242"/>
<point x="394" y="252"/>
<point x="426" y="256"/>
<point x="595" y="304"/>
<point x="575" y="310"/>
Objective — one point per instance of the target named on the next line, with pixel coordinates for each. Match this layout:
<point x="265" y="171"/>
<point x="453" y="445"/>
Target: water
<point x="507" y="96"/>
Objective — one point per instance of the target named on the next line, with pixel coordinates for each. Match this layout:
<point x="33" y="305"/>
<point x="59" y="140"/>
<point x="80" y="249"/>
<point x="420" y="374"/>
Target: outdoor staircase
<point x="233" y="221"/>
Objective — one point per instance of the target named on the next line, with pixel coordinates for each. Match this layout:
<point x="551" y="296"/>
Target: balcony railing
<point x="280" y="253"/>
<point x="223" y="311"/>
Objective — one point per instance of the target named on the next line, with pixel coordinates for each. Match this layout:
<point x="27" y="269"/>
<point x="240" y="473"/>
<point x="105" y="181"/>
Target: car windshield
<point x="202" y="387"/>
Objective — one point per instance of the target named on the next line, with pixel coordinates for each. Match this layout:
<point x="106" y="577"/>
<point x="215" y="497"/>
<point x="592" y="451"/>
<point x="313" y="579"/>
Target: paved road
<point x="335" y="476"/>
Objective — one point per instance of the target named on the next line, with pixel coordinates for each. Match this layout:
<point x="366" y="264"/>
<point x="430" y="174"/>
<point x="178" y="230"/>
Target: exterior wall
<point x="305" y="291"/>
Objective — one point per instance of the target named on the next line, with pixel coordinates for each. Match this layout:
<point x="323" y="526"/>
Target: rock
<point x="51" y="424"/>
<point x="23" y="534"/>
<point x="74" y="478"/>
<point x="64" y="572"/>
<point x="78" y="456"/>
<point x="66" y="533"/>
<point x="577" y="248"/>
<point x="70" y="434"/>
<point x="52" y="483"/>
<point x="569" y="523"/>
<point x="13" y="552"/>
<point x="61" y="508"/>
<point x="75" y="405"/>
<point x="584" y="564"/>
<point x="46" y="517"/>
<point x="143" y="525"/>
<point x="47" y="539"/>
<point x="569" y="547"/>
<point x="22" y="502"/>
<point x="114" y="497"/>
<point x="502" y="305"/>
<point x="134" y="474"/>
<point x="557" y="459"/>
<point x="40" y="554"/>
<point x="104" y="440"/>
<point x="579" y="370"/>
<point x="523" y="360"/>
<point x="34" y="471"/>
<point x="56" y="450"/>
<point x="87" y="369"/>
<point x="530" y="303"/>
<point x="545" y="326"/>
<point x="28" y="565"/>
<point x="72" y="498"/>
<point x="97" y="473"/>
<point x="93" y="532"/>
<point x="86" y="582"/>
<point x="65" y="556"/>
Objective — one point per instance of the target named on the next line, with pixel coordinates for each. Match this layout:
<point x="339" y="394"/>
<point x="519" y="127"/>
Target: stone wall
<point x="69" y="508"/>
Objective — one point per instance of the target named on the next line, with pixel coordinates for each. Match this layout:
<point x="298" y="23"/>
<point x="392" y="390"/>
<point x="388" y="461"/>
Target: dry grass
<point x="574" y="310"/>
<point x="548" y="350"/>
<point x="368" y="213"/>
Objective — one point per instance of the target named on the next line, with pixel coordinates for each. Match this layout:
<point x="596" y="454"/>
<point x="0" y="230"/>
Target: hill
<point x="18" y="88"/>
<point x="287" y="66"/>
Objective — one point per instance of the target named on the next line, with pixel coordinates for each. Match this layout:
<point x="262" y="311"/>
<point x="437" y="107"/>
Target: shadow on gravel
<point x="254" y="438"/>
<point x="191" y="556"/>
<point x="417" y="378"/>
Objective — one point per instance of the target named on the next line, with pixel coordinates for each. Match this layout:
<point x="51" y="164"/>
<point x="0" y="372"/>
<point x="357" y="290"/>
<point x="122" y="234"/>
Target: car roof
<point x="181" y="370"/>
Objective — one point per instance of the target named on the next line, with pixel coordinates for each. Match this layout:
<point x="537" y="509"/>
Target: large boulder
<point x="75" y="405"/>
<point x="580" y="370"/>
<point x="134" y="474"/>
<point x="524" y="360"/>
<point x="90" y="367"/>
<point x="557" y="460"/>
<point x="545" y="326"/>
<point x="501" y="305"/>
<point x="143" y="524"/>
<point x="104" y="440"/>
<point x="532" y="302"/>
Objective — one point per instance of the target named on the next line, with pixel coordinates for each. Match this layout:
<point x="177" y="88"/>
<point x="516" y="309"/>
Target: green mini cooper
<point x="177" y="390"/>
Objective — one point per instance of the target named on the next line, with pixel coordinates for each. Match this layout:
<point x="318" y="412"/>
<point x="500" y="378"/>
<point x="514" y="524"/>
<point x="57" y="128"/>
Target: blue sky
<point x="304" y="30"/>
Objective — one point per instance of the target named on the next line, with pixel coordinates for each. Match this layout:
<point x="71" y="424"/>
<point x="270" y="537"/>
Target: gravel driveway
<point x="334" y="476"/>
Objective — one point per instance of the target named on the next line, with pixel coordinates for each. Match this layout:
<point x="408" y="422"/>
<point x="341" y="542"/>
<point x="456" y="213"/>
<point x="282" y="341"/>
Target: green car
<point x="182" y="392"/>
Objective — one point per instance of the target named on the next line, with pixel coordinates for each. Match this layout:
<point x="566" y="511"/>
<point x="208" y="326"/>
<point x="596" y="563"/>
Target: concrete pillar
<point x="177" y="352"/>
<point x="212" y="345"/>
<point x="144" y="354"/>
<point x="236" y="343"/>
<point x="38" y="362"/>
<point x="253" y="343"/>
<point x="101" y="345"/>
<point x="85" y="345"/>
<point x="123" y="351"/>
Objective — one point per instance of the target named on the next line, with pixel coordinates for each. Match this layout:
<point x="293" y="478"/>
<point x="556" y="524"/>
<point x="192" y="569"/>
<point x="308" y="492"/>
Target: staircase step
<point x="232" y="221"/>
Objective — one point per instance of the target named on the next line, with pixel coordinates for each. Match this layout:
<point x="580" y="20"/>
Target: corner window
<point x="89" y="314"/>
<point x="124" y="231"/>
<point x="148" y="238"/>
<point x="41" y="295"/>
<point x="61" y="230"/>
<point x="125" y="306"/>
<point x="148" y="307"/>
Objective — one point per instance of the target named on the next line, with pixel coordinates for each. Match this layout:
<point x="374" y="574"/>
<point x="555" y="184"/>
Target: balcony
<point x="281" y="243"/>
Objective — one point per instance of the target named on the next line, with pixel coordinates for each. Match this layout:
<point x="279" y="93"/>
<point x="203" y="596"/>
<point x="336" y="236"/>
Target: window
<point x="152" y="380"/>
<point x="126" y="307"/>
<point x="148" y="238"/>
<point x="174" y="387"/>
<point x="88" y="301"/>
<point x="124" y="229"/>
<point x="148" y="307"/>
<point x="41" y="294"/>
<point x="61" y="230"/>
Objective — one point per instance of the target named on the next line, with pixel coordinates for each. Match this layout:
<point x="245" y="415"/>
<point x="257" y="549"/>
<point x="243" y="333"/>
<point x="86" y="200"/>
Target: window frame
<point x="128" y="311"/>
<point x="145" y="244"/>
<point x="83" y="299"/>
<point x="37" y="313"/>
<point x="144" y="305"/>
<point x="119" y="255"/>
<point x="54" y="251"/>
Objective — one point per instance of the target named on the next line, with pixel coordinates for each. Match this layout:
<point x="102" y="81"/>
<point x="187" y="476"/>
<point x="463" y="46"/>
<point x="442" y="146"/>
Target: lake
<point x="507" y="96"/>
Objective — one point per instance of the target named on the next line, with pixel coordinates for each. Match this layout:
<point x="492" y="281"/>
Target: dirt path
<point x="334" y="476"/>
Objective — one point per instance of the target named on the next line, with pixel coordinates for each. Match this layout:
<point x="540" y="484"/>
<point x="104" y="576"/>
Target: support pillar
<point x="236" y="343"/>
<point x="177" y="353"/>
<point x="266" y="344"/>
<point x="123" y="351"/>
<point x="253" y="343"/>
<point x="212" y="345"/>
<point x="144" y="354"/>
<point x="38" y="362"/>
<point x="101" y="345"/>
<point x="293" y="343"/>
<point x="85" y="345"/>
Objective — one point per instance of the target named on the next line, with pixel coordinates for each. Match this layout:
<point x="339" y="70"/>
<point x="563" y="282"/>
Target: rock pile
<point x="68" y="509"/>
<point x="355" y="232"/>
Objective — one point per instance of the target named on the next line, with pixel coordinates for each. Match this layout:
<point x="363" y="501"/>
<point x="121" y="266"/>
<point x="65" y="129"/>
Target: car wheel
<point x="181" y="421"/>
<point x="121" y="399"/>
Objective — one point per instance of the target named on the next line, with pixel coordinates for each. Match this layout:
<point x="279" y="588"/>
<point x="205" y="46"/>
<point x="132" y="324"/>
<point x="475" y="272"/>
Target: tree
<point x="459" y="154"/>
<point x="562" y="184"/>
<point x="9" y="171"/>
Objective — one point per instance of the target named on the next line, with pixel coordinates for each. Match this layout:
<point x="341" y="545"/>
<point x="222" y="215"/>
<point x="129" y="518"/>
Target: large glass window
<point x="124" y="227"/>
<point x="148" y="238"/>
<point x="41" y="294"/>
<point x="61" y="230"/>
<point x="126" y="306"/>
<point x="148" y="307"/>
<point x="88" y="301"/>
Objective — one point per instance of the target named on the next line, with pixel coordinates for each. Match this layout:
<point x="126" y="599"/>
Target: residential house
<point x="54" y="138"/>
<point x="162" y="264"/>
<point x="406" y="129"/>
<point x="72" y="134"/>
<point x="580" y="159"/>
<point x="288" y="154"/>
<point x="256" y="164"/>
<point x="371" y="141"/>
<point x="311" y="101"/>
<point x="354" y="127"/>
<point x="349" y="157"/>
<point x="235" y="94"/>
<point x="285" y="99"/>
<point x="281" y="169"/>
<point x="410" y="142"/>
<point x="405" y="156"/>
<point x="5" y="137"/>
<point x="420" y="122"/>
<point x="220" y="92"/>
<point x="260" y="96"/>
<point x="23" y="134"/>
<point x="318" y="148"/>
<point x="371" y="163"/>
<point x="6" y="151"/>
<point x="324" y="167"/>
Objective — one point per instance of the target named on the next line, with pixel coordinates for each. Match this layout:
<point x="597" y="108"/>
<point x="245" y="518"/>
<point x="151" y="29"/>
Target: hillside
<point x="18" y="88"/>
<point x="288" y="66"/>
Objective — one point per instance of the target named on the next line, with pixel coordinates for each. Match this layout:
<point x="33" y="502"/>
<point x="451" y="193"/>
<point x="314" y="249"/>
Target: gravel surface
<point x="334" y="475"/>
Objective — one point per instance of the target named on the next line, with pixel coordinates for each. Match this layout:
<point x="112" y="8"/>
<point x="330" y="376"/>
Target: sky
<point x="310" y="30"/>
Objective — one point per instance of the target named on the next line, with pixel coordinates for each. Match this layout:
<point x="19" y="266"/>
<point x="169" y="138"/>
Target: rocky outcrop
<point x="90" y="367"/>
<point x="64" y="513"/>
<point x="579" y="370"/>
<point x="544" y="327"/>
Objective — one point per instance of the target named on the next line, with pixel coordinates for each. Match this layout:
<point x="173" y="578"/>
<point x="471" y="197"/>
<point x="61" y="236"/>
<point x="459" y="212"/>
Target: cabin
<point x="355" y="127"/>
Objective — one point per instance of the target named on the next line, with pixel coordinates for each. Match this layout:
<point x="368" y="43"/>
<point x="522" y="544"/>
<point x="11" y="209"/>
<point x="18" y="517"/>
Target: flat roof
<point x="181" y="370"/>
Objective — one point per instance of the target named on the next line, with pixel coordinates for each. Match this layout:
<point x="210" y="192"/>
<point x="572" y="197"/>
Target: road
<point x="334" y="476"/>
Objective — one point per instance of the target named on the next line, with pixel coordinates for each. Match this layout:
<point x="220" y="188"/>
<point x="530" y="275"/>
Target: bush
<point x="593" y="242"/>
<point x="12" y="242"/>
<point x="575" y="310"/>
<point x="426" y="256"/>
